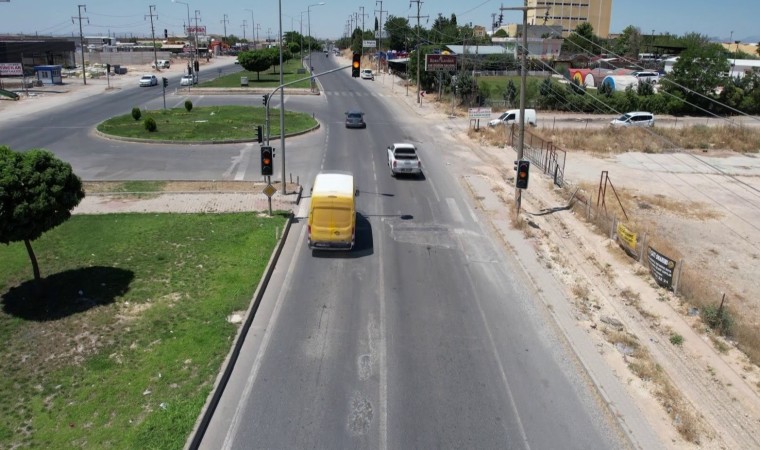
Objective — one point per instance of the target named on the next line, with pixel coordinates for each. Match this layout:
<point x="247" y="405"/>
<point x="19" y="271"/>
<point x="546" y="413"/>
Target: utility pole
<point x="419" y="53"/>
<point x="244" y="25"/>
<point x="258" y="27"/>
<point x="195" y="33"/>
<point x="153" y="34"/>
<point x="224" y="22"/>
<point x="81" y="38"/>
<point x="379" y="38"/>
<point x="253" y="28"/>
<point x="523" y="77"/>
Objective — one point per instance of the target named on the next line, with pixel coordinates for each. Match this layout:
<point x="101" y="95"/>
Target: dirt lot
<point x="703" y="209"/>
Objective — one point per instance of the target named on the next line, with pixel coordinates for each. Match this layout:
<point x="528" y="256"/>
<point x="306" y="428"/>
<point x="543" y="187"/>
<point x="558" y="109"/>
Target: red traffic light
<point x="266" y="161"/>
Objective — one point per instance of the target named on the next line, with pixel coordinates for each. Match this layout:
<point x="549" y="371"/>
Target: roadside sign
<point x="368" y="44"/>
<point x="440" y="63"/>
<point x="479" y="113"/>
<point x="11" y="69"/>
<point x="269" y="190"/>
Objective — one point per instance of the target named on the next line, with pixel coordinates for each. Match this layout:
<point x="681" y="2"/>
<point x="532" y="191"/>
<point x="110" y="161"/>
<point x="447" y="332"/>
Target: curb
<point x="112" y="137"/>
<point x="204" y="419"/>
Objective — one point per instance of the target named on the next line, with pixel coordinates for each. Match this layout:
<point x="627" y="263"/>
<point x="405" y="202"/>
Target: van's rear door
<point x="332" y="221"/>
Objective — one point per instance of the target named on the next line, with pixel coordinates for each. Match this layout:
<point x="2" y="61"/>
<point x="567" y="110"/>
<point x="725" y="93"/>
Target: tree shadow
<point x="66" y="293"/>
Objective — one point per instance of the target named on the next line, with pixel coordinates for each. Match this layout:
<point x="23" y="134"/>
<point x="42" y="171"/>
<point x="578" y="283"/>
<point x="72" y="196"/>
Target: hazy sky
<point x="125" y="17"/>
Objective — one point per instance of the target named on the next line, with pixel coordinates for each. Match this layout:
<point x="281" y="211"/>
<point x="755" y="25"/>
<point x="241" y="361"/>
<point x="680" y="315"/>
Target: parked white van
<point x="162" y="64"/>
<point x="513" y="116"/>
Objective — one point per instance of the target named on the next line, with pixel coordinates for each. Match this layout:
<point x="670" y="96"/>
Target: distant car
<point x="237" y="61"/>
<point x="187" y="80"/>
<point x="162" y="64"/>
<point x="652" y="77"/>
<point x="634" y="119"/>
<point x="366" y="74"/>
<point x="148" y="80"/>
<point x="355" y="119"/>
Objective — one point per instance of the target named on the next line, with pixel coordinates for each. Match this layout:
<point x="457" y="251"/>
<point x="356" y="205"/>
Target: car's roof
<point x="148" y="76"/>
<point x="354" y="111"/>
<point x="403" y="145"/>
<point x="636" y="113"/>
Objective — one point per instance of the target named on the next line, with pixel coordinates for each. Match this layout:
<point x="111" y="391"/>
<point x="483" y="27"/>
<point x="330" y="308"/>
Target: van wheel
<point x="393" y="175"/>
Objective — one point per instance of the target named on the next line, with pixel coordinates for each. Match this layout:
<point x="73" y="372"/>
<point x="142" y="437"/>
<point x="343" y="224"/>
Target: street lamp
<point x="308" y="18"/>
<point x="253" y="28"/>
<point x="187" y="5"/>
<point x="301" y="33"/>
<point x="737" y="51"/>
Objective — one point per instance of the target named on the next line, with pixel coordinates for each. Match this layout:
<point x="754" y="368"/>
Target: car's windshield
<point x="354" y="115"/>
<point x="624" y="118"/>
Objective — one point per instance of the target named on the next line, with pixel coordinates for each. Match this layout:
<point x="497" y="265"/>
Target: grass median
<point x="125" y="346"/>
<point x="265" y="79"/>
<point x="205" y="124"/>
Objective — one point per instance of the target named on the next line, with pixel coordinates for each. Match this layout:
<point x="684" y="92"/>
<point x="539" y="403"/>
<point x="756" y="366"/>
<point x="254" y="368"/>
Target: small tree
<point x="188" y="105"/>
<point x="136" y="113"/>
<point x="510" y="93"/>
<point x="150" y="124"/>
<point x="37" y="193"/>
<point x="256" y="61"/>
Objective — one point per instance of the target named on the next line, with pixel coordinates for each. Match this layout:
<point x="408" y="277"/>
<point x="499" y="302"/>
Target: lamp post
<point x="308" y="18"/>
<point x="737" y="51"/>
<point x="192" y="63"/>
<point x="253" y="28"/>
<point x="301" y="33"/>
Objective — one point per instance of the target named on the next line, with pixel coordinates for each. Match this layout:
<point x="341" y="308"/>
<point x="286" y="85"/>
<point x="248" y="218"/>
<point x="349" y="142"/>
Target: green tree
<point x="700" y="69"/>
<point x="37" y="193"/>
<point x="510" y="93"/>
<point x="397" y="29"/>
<point x="256" y="61"/>
<point x="629" y="42"/>
<point x="582" y="41"/>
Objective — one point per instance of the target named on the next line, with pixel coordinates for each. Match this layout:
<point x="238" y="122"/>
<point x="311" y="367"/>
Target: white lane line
<point x="455" y="213"/>
<point x="233" y="430"/>
<point x="244" y="159"/>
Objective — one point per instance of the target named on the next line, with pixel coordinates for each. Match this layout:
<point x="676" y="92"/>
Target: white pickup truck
<point x="403" y="159"/>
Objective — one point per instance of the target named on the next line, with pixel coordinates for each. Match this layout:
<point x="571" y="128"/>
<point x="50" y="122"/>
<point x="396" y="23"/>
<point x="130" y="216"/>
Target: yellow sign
<point x="269" y="190"/>
<point x="627" y="236"/>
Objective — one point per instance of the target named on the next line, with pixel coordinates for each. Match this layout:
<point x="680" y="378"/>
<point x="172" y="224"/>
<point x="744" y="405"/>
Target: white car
<point x="148" y="80"/>
<point x="366" y="74"/>
<point x="188" y="80"/>
<point x="634" y="119"/>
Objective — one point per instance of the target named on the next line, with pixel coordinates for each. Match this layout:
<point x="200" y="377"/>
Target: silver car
<point x="634" y="119"/>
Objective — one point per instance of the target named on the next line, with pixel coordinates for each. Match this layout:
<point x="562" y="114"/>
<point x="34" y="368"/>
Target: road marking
<point x="244" y="159"/>
<point x="232" y="431"/>
<point x="457" y="215"/>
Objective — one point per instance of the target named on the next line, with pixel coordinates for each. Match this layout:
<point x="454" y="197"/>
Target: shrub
<point x="188" y="105"/>
<point x="676" y="339"/>
<point x="136" y="113"/>
<point x="150" y="124"/>
<point x="718" y="319"/>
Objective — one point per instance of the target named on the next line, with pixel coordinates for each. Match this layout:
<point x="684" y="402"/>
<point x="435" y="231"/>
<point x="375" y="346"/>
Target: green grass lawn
<point x="209" y="123"/>
<point x="270" y="78"/>
<point x="125" y="347"/>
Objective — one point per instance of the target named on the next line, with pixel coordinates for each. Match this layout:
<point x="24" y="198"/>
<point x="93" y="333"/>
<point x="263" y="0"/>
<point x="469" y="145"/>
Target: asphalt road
<point x="423" y="336"/>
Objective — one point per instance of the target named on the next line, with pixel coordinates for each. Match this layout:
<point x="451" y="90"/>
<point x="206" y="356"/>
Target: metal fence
<point x="542" y="153"/>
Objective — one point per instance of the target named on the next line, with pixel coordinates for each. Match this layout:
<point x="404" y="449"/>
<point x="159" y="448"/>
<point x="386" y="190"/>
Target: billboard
<point x="11" y="69"/>
<point x="201" y="29"/>
<point x="440" y="63"/>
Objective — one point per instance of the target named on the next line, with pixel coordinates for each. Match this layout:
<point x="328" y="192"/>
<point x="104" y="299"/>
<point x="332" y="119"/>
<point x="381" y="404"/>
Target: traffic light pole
<point x="523" y="76"/>
<point x="282" y="128"/>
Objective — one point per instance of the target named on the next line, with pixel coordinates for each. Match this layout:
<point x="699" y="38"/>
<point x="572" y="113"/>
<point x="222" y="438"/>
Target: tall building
<point x="569" y="14"/>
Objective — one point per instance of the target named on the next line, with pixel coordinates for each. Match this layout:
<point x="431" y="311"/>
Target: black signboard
<point x="661" y="267"/>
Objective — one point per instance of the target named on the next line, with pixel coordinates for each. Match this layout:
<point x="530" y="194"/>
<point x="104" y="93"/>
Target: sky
<point x="131" y="17"/>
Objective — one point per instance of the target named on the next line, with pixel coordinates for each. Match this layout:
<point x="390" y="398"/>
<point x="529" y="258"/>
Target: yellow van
<point x="332" y="213"/>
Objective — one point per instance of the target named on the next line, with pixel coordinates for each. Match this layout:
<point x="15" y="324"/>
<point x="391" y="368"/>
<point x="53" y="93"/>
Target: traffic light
<point x="166" y="33"/>
<point x="522" y="172"/>
<point x="259" y="134"/>
<point x="266" y="99"/>
<point x="196" y="66"/>
<point x="108" y="68"/>
<point x="266" y="161"/>
<point x="166" y="81"/>
<point x="356" y="65"/>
